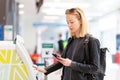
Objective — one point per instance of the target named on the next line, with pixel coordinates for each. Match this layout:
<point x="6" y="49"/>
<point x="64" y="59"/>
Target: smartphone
<point x="56" y="55"/>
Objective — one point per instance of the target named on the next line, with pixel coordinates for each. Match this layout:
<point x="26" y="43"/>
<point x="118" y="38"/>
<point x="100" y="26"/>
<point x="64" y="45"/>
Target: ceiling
<point x="52" y="11"/>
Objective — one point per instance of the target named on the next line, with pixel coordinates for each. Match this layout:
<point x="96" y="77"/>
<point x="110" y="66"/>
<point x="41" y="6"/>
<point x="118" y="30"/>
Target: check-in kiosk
<point x="15" y="62"/>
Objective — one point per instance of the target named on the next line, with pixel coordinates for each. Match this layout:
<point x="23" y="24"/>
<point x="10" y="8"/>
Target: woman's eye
<point x="71" y="22"/>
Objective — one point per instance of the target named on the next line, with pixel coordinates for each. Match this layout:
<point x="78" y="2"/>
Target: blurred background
<point x="40" y="22"/>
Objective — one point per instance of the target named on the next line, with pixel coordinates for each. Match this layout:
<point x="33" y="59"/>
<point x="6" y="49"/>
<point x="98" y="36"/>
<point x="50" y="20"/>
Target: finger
<point x="35" y="66"/>
<point x="60" y="59"/>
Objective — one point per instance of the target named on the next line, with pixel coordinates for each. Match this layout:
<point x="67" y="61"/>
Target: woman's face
<point x="73" y="23"/>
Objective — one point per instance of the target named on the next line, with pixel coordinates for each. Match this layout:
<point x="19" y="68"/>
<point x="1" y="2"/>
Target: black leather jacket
<point x="78" y="67"/>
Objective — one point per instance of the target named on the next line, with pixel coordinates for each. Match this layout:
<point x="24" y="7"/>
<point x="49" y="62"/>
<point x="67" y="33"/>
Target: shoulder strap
<point x="86" y="47"/>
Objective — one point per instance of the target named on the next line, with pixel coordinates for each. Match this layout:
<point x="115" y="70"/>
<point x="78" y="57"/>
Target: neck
<point x="77" y="34"/>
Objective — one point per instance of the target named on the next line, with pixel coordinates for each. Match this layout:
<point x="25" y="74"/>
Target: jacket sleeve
<point x="94" y="58"/>
<point x="57" y="65"/>
<point x="53" y="67"/>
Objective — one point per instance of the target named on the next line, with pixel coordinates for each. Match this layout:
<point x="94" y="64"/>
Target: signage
<point x="47" y="49"/>
<point x="1" y="32"/>
<point x="8" y="32"/>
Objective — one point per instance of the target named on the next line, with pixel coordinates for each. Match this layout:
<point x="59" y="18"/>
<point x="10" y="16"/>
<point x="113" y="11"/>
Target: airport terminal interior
<point x="29" y="34"/>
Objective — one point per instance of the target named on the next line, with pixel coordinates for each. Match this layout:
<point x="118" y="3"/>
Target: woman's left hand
<point x="64" y="61"/>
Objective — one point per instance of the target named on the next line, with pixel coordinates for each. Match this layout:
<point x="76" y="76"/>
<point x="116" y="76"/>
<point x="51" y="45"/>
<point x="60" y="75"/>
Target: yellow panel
<point x="5" y="56"/>
<point x="11" y="66"/>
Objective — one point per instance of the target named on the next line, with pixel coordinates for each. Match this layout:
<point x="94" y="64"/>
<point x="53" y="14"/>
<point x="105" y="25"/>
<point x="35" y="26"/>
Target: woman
<point x="73" y="57"/>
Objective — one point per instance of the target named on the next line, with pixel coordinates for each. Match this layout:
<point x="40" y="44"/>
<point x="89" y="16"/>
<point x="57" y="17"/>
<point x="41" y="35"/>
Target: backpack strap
<point x="90" y="76"/>
<point x="86" y="57"/>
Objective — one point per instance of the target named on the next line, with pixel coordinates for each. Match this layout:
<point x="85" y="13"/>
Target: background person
<point x="60" y="44"/>
<point x="73" y="57"/>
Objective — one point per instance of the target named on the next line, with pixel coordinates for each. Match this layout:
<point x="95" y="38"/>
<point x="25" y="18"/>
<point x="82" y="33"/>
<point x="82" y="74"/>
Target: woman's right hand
<point x="39" y="69"/>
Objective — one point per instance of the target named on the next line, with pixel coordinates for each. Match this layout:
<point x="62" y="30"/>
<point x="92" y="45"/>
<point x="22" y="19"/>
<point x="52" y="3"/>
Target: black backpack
<point x="101" y="71"/>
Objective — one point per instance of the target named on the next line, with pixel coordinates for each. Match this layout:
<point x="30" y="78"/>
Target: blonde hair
<point x="80" y="16"/>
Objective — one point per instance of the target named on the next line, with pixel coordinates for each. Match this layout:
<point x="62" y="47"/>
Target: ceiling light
<point x="21" y="12"/>
<point x="65" y="5"/>
<point x="52" y="11"/>
<point x="51" y="17"/>
<point x="21" y="6"/>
